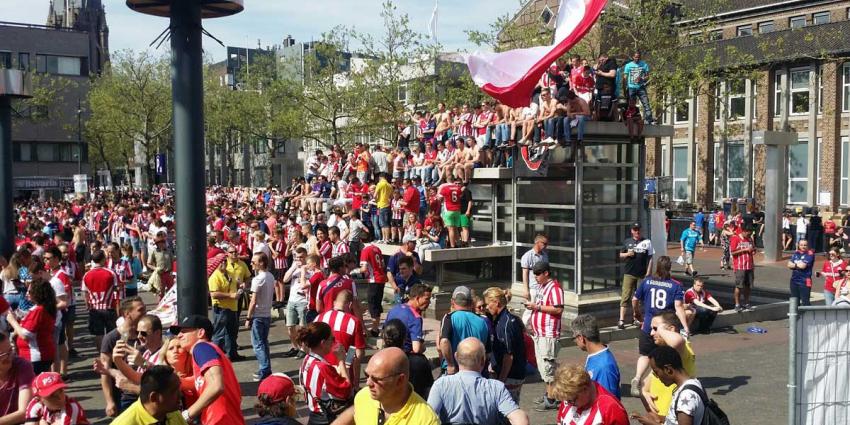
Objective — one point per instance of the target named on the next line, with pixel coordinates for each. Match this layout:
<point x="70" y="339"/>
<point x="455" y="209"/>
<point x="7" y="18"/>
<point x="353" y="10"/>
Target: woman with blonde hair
<point x="581" y="397"/>
<point x="508" y="357"/>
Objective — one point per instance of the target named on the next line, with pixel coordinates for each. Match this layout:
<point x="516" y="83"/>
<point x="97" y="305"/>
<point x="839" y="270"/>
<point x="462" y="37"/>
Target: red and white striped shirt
<point x="398" y="209"/>
<point x="605" y="410"/>
<point x="279" y="246"/>
<point x="545" y="324"/>
<point x="326" y="252"/>
<point x="373" y="258"/>
<point x="100" y="284"/>
<point x="71" y="414"/>
<point x="339" y="248"/>
<point x="347" y="330"/>
<point x="322" y="382"/>
<point x="151" y="357"/>
<point x="742" y="261"/>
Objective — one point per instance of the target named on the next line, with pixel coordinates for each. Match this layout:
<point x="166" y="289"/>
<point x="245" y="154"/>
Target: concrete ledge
<point x="491" y="174"/>
<point x="470" y="253"/>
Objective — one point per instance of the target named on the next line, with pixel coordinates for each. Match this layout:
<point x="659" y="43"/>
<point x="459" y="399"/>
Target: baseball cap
<point x="277" y="387"/>
<point x="635" y="225"/>
<point x="461" y="296"/>
<point x="540" y="267"/>
<point x="195" y="321"/>
<point x="47" y="383"/>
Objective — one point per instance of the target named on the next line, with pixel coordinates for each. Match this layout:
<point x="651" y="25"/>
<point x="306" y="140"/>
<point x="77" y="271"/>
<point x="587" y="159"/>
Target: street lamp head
<point x="209" y="8"/>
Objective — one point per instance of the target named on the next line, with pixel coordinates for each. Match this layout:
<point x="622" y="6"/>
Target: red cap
<point x="47" y="383"/>
<point x="277" y="387"/>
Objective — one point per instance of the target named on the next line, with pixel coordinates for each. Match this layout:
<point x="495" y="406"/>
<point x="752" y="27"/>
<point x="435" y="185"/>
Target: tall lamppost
<point x="187" y="103"/>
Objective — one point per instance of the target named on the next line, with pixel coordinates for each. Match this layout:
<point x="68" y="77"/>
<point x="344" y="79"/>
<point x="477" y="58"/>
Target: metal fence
<point x="819" y="365"/>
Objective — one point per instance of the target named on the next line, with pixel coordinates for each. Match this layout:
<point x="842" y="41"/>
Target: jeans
<point x="550" y="126"/>
<point x="14" y="299"/>
<point x="260" y="342"/>
<point x="802" y="292"/>
<point x="435" y="174"/>
<point x="640" y="94"/>
<point x="503" y="133"/>
<point x="578" y="122"/>
<point x="376" y="227"/>
<point x="225" y="328"/>
<point x="828" y="298"/>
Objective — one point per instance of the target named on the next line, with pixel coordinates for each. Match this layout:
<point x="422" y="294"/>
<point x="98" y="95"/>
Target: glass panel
<point x="680" y="190"/>
<point x="735" y="161"/>
<point x="745" y="30"/>
<point x="797" y="22"/>
<point x="799" y="80"/>
<point x="682" y="112"/>
<point x="46" y="152"/>
<point x="845" y="169"/>
<point x="600" y="194"/>
<point x="26" y="152"/>
<point x="558" y="236"/>
<point x="820" y="18"/>
<point x="5" y="60"/>
<point x="800" y="102"/>
<point x="766" y="27"/>
<point x="797" y="191"/>
<point x="547" y="192"/>
<point x="736" y="188"/>
<point x="595" y="215"/>
<point x="680" y="162"/>
<point x="798" y="159"/>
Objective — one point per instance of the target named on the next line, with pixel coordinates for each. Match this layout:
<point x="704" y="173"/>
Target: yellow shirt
<point x="665" y="393"/>
<point x="383" y="194"/>
<point x="238" y="272"/>
<point x="137" y="415"/>
<point x="415" y="412"/>
<point x="219" y="282"/>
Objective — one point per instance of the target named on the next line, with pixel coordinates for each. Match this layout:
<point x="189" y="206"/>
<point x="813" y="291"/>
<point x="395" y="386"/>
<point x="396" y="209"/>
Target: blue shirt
<point x="602" y="367"/>
<point x="392" y="264"/>
<point x="461" y="324"/>
<point x="412" y="320"/>
<point x="800" y="277"/>
<point x="657" y="296"/>
<point x="508" y="339"/>
<point x="690" y="239"/>
<point x="405" y="284"/>
<point x="699" y="219"/>
<point x="468" y="398"/>
<point x="633" y="71"/>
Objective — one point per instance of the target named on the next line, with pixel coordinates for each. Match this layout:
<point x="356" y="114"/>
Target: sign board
<point x="81" y="183"/>
<point x="825" y="198"/>
<point x="649" y="185"/>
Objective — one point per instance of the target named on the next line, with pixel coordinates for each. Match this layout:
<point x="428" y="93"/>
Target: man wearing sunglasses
<point x="536" y="254"/>
<point x="546" y="310"/>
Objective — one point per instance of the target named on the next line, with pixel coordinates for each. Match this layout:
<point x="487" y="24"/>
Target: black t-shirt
<point x="607" y="66"/>
<point x="509" y="332"/>
<point x="636" y="266"/>
<point x="465" y="200"/>
<point x="110" y="340"/>
<point x="421" y="374"/>
<point x="748" y="218"/>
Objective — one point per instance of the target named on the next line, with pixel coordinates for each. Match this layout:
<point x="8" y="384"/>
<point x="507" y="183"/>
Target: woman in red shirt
<point x="324" y="383"/>
<point x="35" y="332"/>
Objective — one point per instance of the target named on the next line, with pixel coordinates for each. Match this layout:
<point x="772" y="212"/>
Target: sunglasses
<point x="539" y="273"/>
<point x="143" y="334"/>
<point x="379" y="380"/>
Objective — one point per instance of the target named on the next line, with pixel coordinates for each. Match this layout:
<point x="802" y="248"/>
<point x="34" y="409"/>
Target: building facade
<point x="48" y="148"/>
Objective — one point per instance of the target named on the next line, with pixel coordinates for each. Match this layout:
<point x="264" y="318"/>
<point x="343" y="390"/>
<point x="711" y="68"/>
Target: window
<point x="765" y="27"/>
<point x="845" y="84"/>
<point x="820" y="18"/>
<point x="736" y="99"/>
<point x="681" y="112"/>
<point x="46" y="152"/>
<point x="845" y="171"/>
<point x="799" y="91"/>
<point x="22" y="152"/>
<point x="820" y="90"/>
<point x="735" y="163"/>
<point x="715" y="35"/>
<point x="665" y="161"/>
<point x="744" y="30"/>
<point x="797" y="22"/>
<point x="798" y="169"/>
<point x="777" y="93"/>
<point x="24" y="61"/>
<point x="402" y="92"/>
<point x="695" y="38"/>
<point x="680" y="173"/>
<point x="546" y="15"/>
<point x="5" y="60"/>
<point x="62" y="65"/>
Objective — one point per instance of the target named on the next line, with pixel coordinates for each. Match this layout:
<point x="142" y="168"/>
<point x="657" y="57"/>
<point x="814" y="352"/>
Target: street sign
<point x="81" y="183"/>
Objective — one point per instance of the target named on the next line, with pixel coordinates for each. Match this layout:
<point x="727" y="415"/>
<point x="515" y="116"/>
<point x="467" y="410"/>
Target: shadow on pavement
<point x="731" y="383"/>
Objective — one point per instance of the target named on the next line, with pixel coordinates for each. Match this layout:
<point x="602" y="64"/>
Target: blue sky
<point x="272" y="20"/>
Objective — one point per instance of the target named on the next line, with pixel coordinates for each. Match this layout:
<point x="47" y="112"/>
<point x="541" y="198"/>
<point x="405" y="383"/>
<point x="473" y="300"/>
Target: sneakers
<point x="748" y="307"/>
<point x="694" y="273"/>
<point x="635" y="390"/>
<point x="545" y="406"/>
<point x="636" y="323"/>
<point x="738" y="309"/>
<point x="621" y="325"/>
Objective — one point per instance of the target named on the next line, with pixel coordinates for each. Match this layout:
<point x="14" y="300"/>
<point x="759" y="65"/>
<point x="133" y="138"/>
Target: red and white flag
<point x="511" y="76"/>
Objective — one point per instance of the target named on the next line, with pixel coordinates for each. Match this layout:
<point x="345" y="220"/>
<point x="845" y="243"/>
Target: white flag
<point x="432" y="24"/>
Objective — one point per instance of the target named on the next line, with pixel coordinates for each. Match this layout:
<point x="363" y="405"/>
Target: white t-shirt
<point x="262" y="285"/>
<point x="689" y="402"/>
<point x="802" y="224"/>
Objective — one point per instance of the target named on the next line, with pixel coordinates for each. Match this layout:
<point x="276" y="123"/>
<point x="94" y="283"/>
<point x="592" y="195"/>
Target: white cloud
<point x="272" y="20"/>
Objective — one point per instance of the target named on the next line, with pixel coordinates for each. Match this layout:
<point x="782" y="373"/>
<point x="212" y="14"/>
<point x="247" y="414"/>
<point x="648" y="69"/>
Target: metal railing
<point x="818" y="364"/>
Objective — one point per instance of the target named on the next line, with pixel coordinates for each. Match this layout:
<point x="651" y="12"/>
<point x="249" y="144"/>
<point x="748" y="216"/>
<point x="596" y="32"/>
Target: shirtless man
<point x="444" y="121"/>
<point x="466" y="160"/>
<point x="445" y="159"/>
<point x="454" y="167"/>
<point x="528" y="120"/>
<point x="546" y="117"/>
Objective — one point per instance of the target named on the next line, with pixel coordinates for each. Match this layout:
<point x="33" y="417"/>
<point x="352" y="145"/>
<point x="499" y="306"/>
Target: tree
<point x="130" y="104"/>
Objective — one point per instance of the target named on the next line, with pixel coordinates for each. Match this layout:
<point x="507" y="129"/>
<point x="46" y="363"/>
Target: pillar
<point x="705" y="150"/>
<point x="830" y="162"/>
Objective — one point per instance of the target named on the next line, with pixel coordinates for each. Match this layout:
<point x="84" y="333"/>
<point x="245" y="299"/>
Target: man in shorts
<point x="100" y="285"/>
<point x="742" y="247"/>
<point x="466" y="215"/>
<point x="451" y="193"/>
<point x="383" y="195"/>
<point x="637" y="255"/>
<point x="690" y="237"/>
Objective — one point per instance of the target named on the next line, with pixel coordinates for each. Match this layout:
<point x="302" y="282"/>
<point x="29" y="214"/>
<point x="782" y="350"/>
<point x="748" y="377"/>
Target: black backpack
<point x="713" y="415"/>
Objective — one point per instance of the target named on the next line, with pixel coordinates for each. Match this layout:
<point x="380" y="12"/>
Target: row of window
<point x="798" y="171"/>
<point x="794" y="22"/>
<point x="49" y="64"/>
<point x="48" y="152"/>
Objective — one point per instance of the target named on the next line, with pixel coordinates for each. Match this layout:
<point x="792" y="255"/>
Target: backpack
<point x="713" y="414"/>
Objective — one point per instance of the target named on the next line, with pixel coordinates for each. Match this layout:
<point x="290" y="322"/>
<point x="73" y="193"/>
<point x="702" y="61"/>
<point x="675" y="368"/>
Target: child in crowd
<point x="50" y="405"/>
<point x="395" y="220"/>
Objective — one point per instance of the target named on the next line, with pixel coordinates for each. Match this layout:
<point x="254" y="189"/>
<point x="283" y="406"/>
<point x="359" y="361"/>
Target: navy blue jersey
<point x="656" y="296"/>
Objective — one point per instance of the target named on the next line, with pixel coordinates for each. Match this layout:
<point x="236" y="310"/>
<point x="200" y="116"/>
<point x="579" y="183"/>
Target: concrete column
<point x="830" y="161"/>
<point x="722" y="169"/>
<point x="785" y="88"/>
<point x="812" y="147"/>
<point x="705" y="150"/>
<point x="748" y="137"/>
<point x="658" y="232"/>
<point x="776" y="146"/>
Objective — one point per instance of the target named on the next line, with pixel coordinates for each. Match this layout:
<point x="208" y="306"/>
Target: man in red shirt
<point x="585" y="401"/>
<point x="335" y="282"/>
<point x="742" y="247"/>
<point x="100" y="286"/>
<point x="219" y="395"/>
<point x="373" y="266"/>
<point x="410" y="200"/>
<point x="450" y="193"/>
<point x="347" y="330"/>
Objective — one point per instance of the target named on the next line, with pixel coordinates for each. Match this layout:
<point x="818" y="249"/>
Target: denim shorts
<point x="384" y="217"/>
<point x="296" y="313"/>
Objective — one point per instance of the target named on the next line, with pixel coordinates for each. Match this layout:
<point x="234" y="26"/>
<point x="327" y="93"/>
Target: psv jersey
<point x="451" y="196"/>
